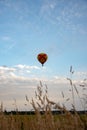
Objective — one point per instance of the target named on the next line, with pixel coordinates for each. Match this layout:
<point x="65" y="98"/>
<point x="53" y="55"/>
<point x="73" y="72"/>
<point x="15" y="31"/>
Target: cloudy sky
<point x="28" y="27"/>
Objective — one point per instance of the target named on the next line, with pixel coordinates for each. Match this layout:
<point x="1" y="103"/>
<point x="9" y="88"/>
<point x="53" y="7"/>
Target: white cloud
<point x="25" y="74"/>
<point x="81" y="73"/>
<point x="11" y="76"/>
<point x="47" y="7"/>
<point x="4" y="70"/>
<point x="6" y="38"/>
<point x="17" y="74"/>
<point x="80" y="76"/>
<point x="23" y="69"/>
<point x="59" y="78"/>
<point x="65" y="16"/>
<point x="14" y="85"/>
<point x="20" y="66"/>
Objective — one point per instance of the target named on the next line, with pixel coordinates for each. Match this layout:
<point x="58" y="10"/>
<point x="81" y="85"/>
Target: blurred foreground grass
<point x="47" y="121"/>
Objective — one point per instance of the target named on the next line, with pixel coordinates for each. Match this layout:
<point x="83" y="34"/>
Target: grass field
<point x="47" y="121"/>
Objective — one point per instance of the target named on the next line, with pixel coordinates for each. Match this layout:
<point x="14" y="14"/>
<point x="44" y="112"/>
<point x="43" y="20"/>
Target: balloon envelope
<point x="42" y="58"/>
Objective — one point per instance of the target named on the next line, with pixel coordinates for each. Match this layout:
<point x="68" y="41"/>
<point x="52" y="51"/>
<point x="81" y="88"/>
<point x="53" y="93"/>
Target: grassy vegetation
<point x="47" y="121"/>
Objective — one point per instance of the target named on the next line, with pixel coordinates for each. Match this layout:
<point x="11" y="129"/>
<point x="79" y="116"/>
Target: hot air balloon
<point x="42" y="58"/>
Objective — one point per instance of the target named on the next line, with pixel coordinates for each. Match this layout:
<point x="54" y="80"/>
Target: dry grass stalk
<point x="47" y="121"/>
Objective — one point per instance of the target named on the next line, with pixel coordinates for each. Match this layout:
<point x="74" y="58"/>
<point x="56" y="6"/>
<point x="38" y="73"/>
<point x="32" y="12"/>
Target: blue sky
<point x="56" y="27"/>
